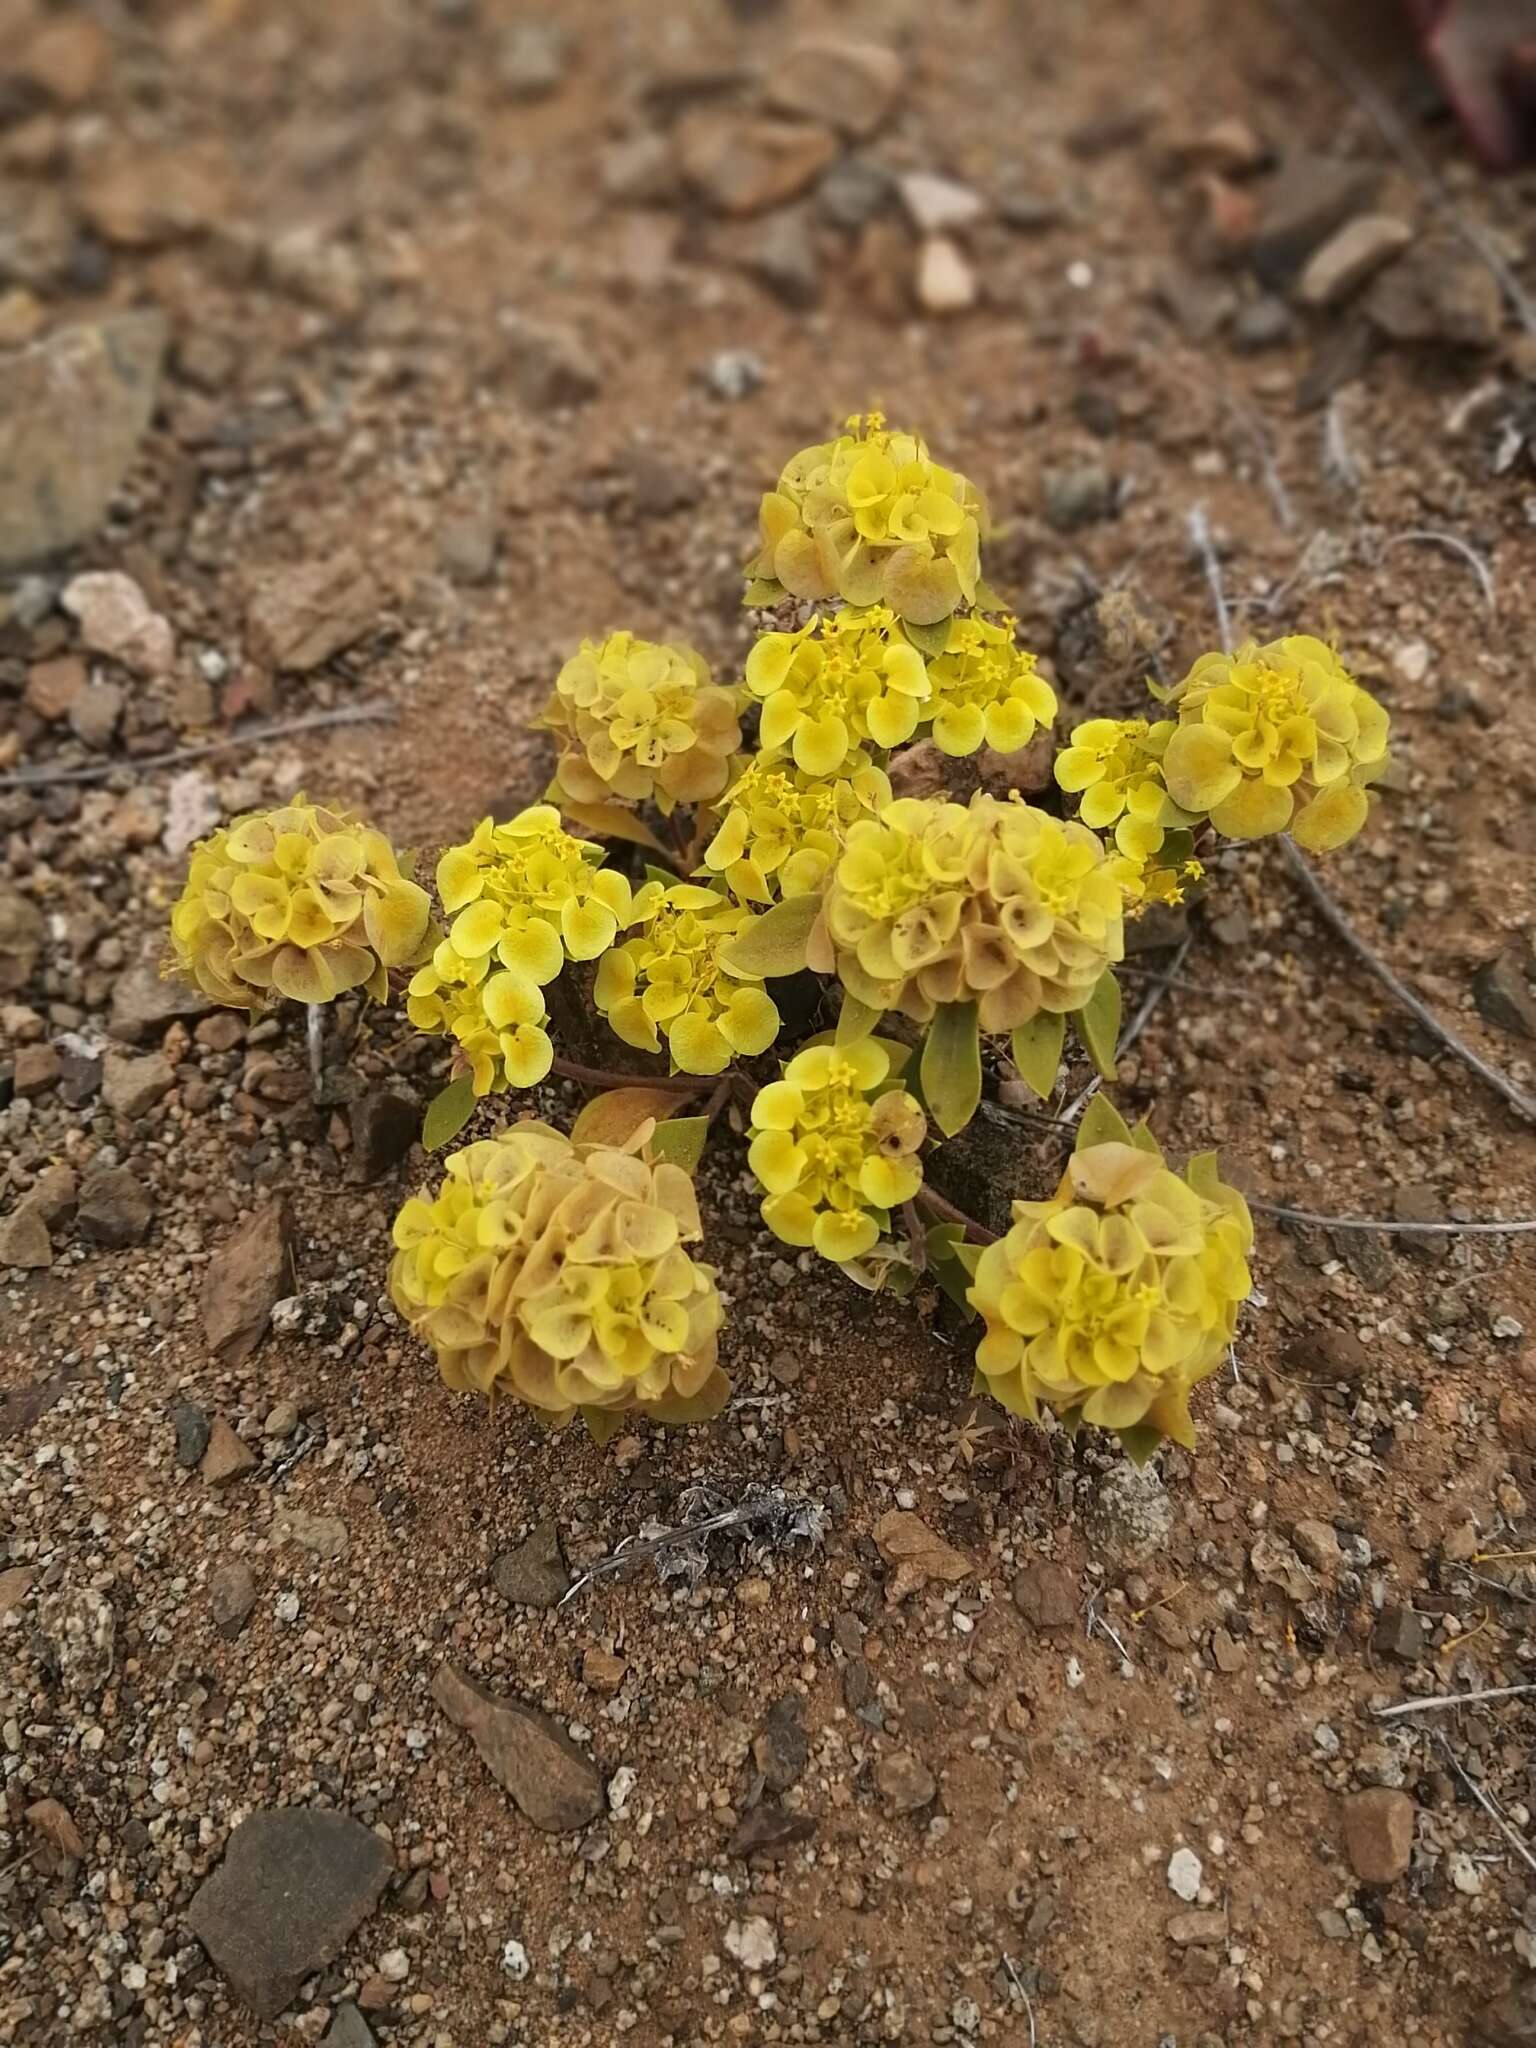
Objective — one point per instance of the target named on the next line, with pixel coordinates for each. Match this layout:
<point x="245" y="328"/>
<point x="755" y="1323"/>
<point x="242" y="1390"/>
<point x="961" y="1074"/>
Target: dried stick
<point x="1392" y="1229"/>
<point x="1486" y="1803"/>
<point x="1329" y="911"/>
<point x="1200" y="540"/>
<point x="314" y="1027"/>
<point x="1135" y="1028"/>
<point x="1457" y="546"/>
<point x="1440" y="1701"/>
<point x="252" y="736"/>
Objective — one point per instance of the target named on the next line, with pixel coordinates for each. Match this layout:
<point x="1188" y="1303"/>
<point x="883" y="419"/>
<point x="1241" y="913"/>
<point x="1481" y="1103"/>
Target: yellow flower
<point x="531" y="894"/>
<point x="640" y="722"/>
<point x="304" y="901"/>
<point x="557" y="1272"/>
<point x="1114" y="1298"/>
<point x="873" y="519"/>
<point x="496" y="1015"/>
<point x="835" y="1146"/>
<point x="985" y="689"/>
<point x="994" y="902"/>
<point x="781" y="829"/>
<point x="1115" y="766"/>
<point x="1276" y="738"/>
<point x="838" y="681"/>
<point x="667" y="979"/>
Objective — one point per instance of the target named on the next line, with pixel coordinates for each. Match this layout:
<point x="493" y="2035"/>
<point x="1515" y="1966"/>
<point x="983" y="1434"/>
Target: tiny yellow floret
<point x="667" y="979"/>
<point x="638" y="722"/>
<point x="1115" y="768"/>
<point x="842" y="681"/>
<point x="781" y="829"/>
<point x="984" y="690"/>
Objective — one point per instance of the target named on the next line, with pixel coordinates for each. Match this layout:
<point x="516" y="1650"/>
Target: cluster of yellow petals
<point x="523" y="898"/>
<point x="781" y="829"/>
<point x="305" y="901"/>
<point x="1114" y="1298"/>
<point x="636" y="722"/>
<point x="843" y="680"/>
<point x="873" y="519"/>
<point x="984" y="690"/>
<point x="1276" y="738"/>
<point x="1114" y="766"/>
<point x="995" y="902"/>
<point x="667" y="979"/>
<point x="835" y="1146"/>
<point x="558" y="1273"/>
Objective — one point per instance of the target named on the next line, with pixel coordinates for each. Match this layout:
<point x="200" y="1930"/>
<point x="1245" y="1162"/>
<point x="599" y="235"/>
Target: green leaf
<point x="930" y="641"/>
<point x="946" y="1261"/>
<point x="680" y="1141"/>
<point x="1102" y="1124"/>
<point x="666" y="876"/>
<point x="613" y="1117"/>
<point x="763" y="590"/>
<point x="610" y="821"/>
<point x="1139" y="1442"/>
<point x="950" y="1069"/>
<point x="703" y="1406"/>
<point x="447" y="1113"/>
<point x="602" y="1423"/>
<point x="773" y="944"/>
<point x="1144" y="1141"/>
<point x="1098" y="1024"/>
<point x="855" y="1020"/>
<point x="1037" y="1051"/>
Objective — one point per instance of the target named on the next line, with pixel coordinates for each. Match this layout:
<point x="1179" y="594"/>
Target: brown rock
<point x="54" y="1193"/>
<point x="132" y="1083"/>
<point x="37" y="1069"/>
<point x="904" y="1782"/>
<point x="1378" y="1834"/>
<point x="1439" y="292"/>
<point x="1307" y="201"/>
<point x="1046" y="1595"/>
<point x="246" y="1277"/>
<point x="116" y="1208"/>
<point x="94" y="713"/>
<point x="1325" y="1355"/>
<point x="299" y="617"/>
<point x="21" y="922"/>
<point x="552" y="1784"/>
<point x="1502" y="989"/>
<point x="1317" y="1545"/>
<point x="745" y="166"/>
<point x="848" y="85"/>
<point x="602" y="1671"/>
<point x="24" y="1239"/>
<point x="53" y="686"/>
<point x="293" y="1885"/>
<point x="147" y="197"/>
<point x="534" y="1574"/>
<point x="14" y="1586"/>
<point x="1197" y="1930"/>
<point x="227" y="1457"/>
<point x="66" y="57"/>
<point x="55" y="1824"/>
<point x="916" y="1555"/>
<point x="1351" y="255"/>
<point x="550" y="365"/>
<point x="767" y="1830"/>
<point x="231" y="1597"/>
<point x="1508" y="2021"/>
<point x="116" y="620"/>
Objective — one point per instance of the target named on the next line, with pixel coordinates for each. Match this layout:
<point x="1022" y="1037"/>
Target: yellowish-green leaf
<point x="1037" y="1050"/>
<point x="680" y="1140"/>
<point x="610" y="821"/>
<point x="1144" y="1141"/>
<point x="1102" y="1124"/>
<point x="603" y="1423"/>
<point x="613" y="1117"/>
<point x="764" y="591"/>
<point x="703" y="1406"/>
<point x="1139" y="1442"/>
<point x="447" y="1113"/>
<point x="775" y="943"/>
<point x="946" y="1261"/>
<point x="855" y="1020"/>
<point x="950" y="1069"/>
<point x="1098" y="1024"/>
<point x="930" y="641"/>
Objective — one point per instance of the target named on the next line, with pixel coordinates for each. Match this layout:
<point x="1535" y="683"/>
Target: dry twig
<point x="1286" y="1214"/>
<point x="177" y="757"/>
<point x="1486" y="1801"/>
<point x="1434" y="536"/>
<point x="1439" y="1702"/>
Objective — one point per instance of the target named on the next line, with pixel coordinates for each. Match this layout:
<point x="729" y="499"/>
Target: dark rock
<point x="143" y="1002"/>
<point x="1508" y="2021"/>
<point x="1078" y="496"/>
<point x="782" y="252"/>
<point x="1310" y="198"/>
<point x="1265" y="322"/>
<point x="767" y="1830"/>
<point x="191" y="1434"/>
<point x="853" y="192"/>
<point x="231" y="1597"/>
<point x="348" y="2028"/>
<point x="534" y="1574"/>
<point x="75" y="409"/>
<point x="781" y="1748"/>
<point x="1502" y="990"/>
<point x="1046" y="1595"/>
<point x="79" y="1077"/>
<point x="292" y="1887"/>
<point x="21" y="938"/>
<point x="1398" y="1634"/>
<point x="385" y="1122"/>
<point x="246" y="1277"/>
<point x="116" y="1209"/>
<point x="23" y="1406"/>
<point x="1438" y="292"/>
<point x="551" y="1782"/>
<point x="1328" y="1355"/>
<point x="657" y="487"/>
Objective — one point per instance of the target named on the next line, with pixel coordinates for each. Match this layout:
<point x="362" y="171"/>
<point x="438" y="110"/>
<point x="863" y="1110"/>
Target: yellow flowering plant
<point x="813" y="954"/>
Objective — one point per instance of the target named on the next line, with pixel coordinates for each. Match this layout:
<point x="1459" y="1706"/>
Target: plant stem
<point x="314" y="1022"/>
<point x="948" y="1213"/>
<point x="607" y="1077"/>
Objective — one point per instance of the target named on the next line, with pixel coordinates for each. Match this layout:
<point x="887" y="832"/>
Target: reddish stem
<point x="606" y="1077"/>
<point x="948" y="1213"/>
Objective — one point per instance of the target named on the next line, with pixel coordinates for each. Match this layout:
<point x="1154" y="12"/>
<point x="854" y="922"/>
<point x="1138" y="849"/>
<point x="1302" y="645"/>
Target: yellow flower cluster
<point x="985" y="691"/>
<point x="557" y="1273"/>
<point x="873" y="519"/>
<point x="994" y="902"/>
<point x="524" y="897"/>
<point x="668" y="978"/>
<point x="835" y="1145"/>
<point x="1114" y="1298"/>
<point x="639" y="722"/>
<point x="305" y="901"/>
<point x="781" y="829"/>
<point x="842" y="679"/>
<point x="1276" y="738"/>
<point x="1115" y="767"/>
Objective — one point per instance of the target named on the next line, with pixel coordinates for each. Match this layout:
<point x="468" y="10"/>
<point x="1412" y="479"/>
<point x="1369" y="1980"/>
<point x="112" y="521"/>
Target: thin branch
<point x="1398" y="137"/>
<point x="1326" y="908"/>
<point x="948" y="1213"/>
<point x="1394" y="1228"/>
<point x="1457" y="546"/>
<point x="1135" y="1028"/>
<point x="251" y="736"/>
<point x="1442" y="1701"/>
<point x="1338" y="463"/>
<point x="1200" y="540"/>
<point x="1486" y="1802"/>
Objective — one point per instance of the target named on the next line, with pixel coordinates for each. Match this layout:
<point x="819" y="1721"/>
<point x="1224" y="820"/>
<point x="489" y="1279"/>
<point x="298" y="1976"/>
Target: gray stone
<point x="246" y="1277"/>
<point x="293" y="1886"/>
<point x="132" y="1083"/>
<point x="385" y="1121"/>
<point x="1351" y="255"/>
<point x="938" y="205"/>
<point x="1265" y="322"/>
<point x="21" y="938"/>
<point x="73" y="412"/>
<point x="1502" y="989"/>
<point x="550" y="365"/>
<point x="191" y="1426"/>
<point x="466" y="546"/>
<point x="144" y="1001"/>
<point x="94" y="713"/>
<point x="533" y="59"/>
<point x="782" y="252"/>
<point x="733" y="374"/>
<point x="1439" y="292"/>
<point x="80" y="1629"/>
<point x="1307" y="201"/>
<point x="1398" y="1634"/>
<point x="1198" y="1930"/>
<point x="551" y="1782"/>
<point x="116" y="1209"/>
<point x="300" y="617"/>
<point x="231" y="1597"/>
<point x="323" y="1536"/>
<point x="1078" y="496"/>
<point x="533" y="1574"/>
<point x="853" y="192"/>
<point x="1130" y="1516"/>
<point x="348" y="2028"/>
<point x="781" y="1748"/>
